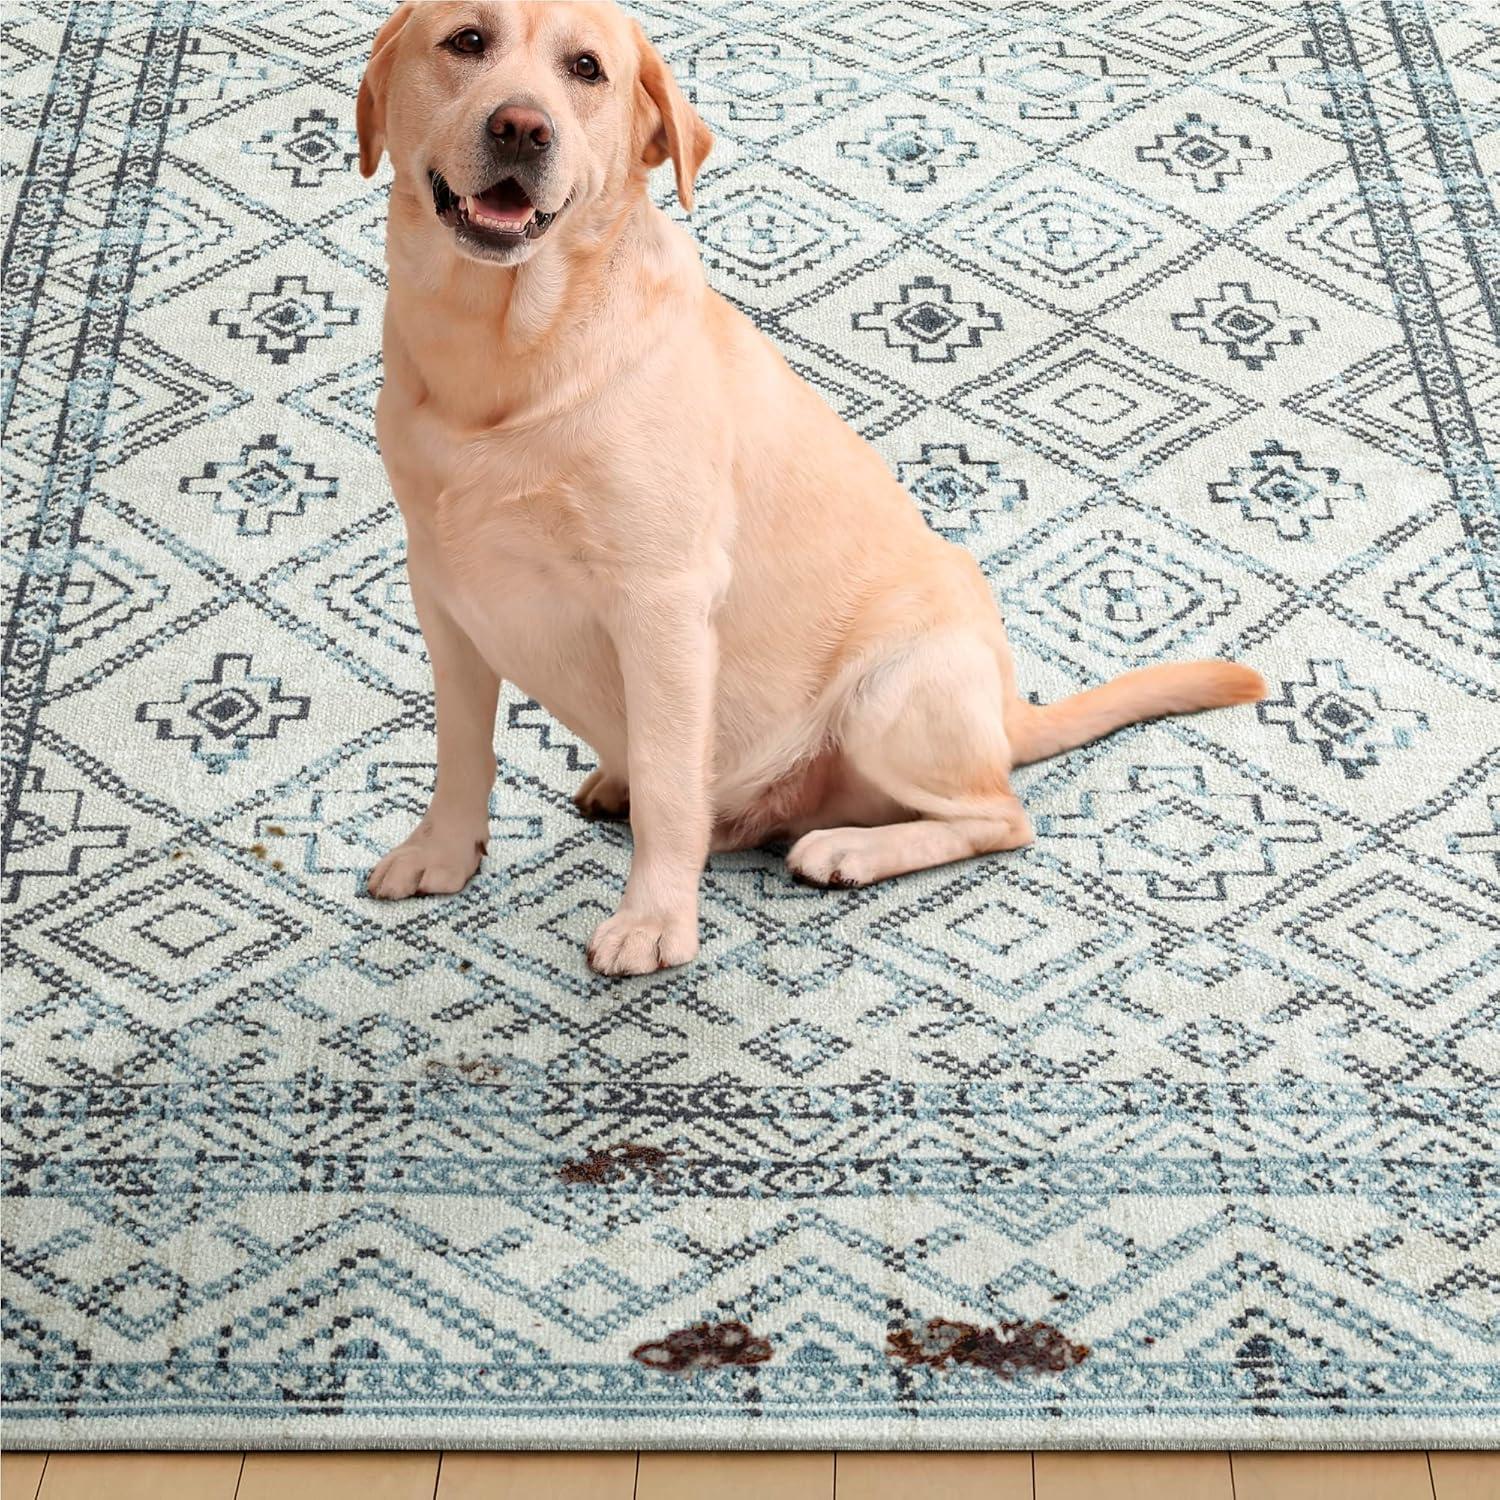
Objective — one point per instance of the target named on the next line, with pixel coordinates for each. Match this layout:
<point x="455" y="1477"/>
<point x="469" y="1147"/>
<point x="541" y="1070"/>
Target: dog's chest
<point x="532" y="539"/>
<point x="508" y="535"/>
<point x="515" y="554"/>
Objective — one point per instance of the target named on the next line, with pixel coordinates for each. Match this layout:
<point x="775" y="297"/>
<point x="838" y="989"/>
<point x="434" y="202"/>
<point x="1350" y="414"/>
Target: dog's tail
<point x="1038" y="731"/>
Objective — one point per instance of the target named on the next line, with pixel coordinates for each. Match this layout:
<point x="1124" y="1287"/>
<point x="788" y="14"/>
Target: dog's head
<point x="509" y="115"/>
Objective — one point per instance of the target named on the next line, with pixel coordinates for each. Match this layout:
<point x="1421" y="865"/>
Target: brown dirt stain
<point x="609" y="1163"/>
<point x="704" y="1346"/>
<point x="1004" y="1351"/>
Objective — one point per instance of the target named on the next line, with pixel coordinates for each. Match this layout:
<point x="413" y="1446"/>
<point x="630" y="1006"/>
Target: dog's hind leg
<point x="604" y="794"/>
<point x="924" y="734"/>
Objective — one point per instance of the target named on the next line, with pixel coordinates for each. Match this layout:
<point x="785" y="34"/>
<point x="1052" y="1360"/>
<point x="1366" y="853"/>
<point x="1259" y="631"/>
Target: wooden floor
<point x="750" y="1476"/>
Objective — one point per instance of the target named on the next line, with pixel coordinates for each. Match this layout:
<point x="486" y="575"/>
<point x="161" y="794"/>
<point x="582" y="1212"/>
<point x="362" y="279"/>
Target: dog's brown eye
<point x="468" y="41"/>
<point x="586" y="66"/>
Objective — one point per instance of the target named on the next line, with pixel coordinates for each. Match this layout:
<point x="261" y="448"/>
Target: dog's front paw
<point x="431" y="862"/>
<point x="603" y="796"/>
<point x="643" y="942"/>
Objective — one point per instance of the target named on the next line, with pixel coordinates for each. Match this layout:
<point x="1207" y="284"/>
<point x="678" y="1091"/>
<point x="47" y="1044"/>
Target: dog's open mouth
<point x="501" y="217"/>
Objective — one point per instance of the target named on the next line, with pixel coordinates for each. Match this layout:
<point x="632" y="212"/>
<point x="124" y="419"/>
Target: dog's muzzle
<point x="501" y="217"/>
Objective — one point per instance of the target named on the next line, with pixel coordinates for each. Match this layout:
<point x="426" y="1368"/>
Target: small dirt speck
<point x="470" y="1069"/>
<point x="464" y="966"/>
<point x="1005" y="1350"/>
<point x="704" y="1346"/>
<point x="258" y="850"/>
<point x="275" y="830"/>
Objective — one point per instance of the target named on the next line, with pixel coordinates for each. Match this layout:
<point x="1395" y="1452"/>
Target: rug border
<point x="729" y="1435"/>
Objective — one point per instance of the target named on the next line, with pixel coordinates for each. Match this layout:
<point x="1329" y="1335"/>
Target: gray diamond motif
<point x="1400" y="935"/>
<point x="183" y="928"/>
<point x="1217" y="1043"/>
<point x="1096" y="404"/>
<point x="798" y="1046"/>
<point x="1068" y="238"/>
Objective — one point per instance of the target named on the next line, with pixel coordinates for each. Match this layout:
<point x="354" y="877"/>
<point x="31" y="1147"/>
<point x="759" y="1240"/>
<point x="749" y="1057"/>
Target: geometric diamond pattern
<point x="1177" y="318"/>
<point x="1101" y="406"/>
<point x="1123" y="595"/>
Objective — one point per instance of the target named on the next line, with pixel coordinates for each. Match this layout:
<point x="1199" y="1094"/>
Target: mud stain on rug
<point x="704" y="1346"/>
<point x="1006" y="1350"/>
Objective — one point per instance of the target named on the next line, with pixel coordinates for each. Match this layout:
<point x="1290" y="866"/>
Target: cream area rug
<point x="1177" y="1128"/>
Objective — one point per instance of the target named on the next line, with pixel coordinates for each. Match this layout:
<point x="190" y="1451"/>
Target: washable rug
<point x="1177" y="1128"/>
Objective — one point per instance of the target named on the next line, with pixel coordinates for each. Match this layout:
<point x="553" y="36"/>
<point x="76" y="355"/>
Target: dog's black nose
<point x="527" y="131"/>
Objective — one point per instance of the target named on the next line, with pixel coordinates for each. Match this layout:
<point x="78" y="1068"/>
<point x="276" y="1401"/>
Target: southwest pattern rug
<point x="1177" y="1128"/>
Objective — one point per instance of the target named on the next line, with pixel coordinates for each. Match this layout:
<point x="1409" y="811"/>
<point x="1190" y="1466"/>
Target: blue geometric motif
<point x="1347" y="724"/>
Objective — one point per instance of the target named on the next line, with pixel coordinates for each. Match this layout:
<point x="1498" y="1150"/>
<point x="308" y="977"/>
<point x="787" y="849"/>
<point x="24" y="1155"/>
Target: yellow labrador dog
<point x="618" y="496"/>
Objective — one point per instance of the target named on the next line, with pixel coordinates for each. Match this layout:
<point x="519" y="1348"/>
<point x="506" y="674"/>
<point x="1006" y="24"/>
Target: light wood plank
<point x="338" y="1476"/>
<point x="1133" y="1476"/>
<point x="1331" y="1476"/>
<point x="1465" y="1476"/>
<point x="21" y="1475"/>
<point x="141" y="1476"/>
<point x="735" y="1476"/>
<point x="537" y="1476"/>
<point x="933" y="1476"/>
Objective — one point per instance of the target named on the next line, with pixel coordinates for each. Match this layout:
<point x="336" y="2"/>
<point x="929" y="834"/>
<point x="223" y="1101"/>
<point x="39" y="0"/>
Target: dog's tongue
<point x="505" y="205"/>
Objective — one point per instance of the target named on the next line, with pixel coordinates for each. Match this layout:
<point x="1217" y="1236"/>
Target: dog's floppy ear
<point x="672" y="126"/>
<point x="369" y="113"/>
